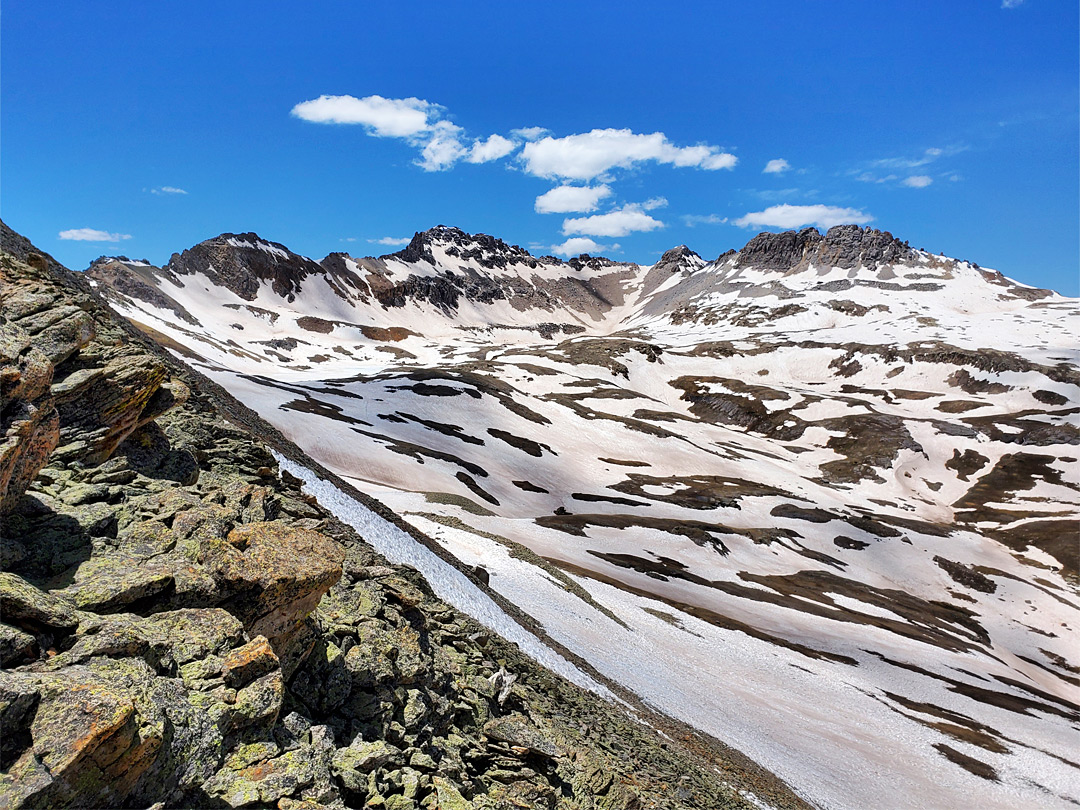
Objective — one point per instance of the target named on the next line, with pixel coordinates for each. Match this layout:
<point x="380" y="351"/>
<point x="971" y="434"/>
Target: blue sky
<point x="620" y="128"/>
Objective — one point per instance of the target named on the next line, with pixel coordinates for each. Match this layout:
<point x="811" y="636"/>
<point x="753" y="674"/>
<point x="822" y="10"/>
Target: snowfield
<point x="817" y="498"/>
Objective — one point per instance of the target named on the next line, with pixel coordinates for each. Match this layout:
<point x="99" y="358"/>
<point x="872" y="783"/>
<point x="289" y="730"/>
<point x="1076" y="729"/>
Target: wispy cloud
<point x="870" y="177"/>
<point x="161" y="190"/>
<point x="389" y="241"/>
<point x="92" y="235"/>
<point x="917" y="181"/>
<point x="530" y="133"/>
<point x="593" y="154"/>
<point x="926" y="157"/>
<point x="577" y="245"/>
<point x="770" y="194"/>
<point x="443" y="147"/>
<point x="796" y="216"/>
<point x="571" y="199"/>
<point x="1011" y="3"/>
<point x="777" y="166"/>
<point x="620" y="222"/>
<point x="690" y="220"/>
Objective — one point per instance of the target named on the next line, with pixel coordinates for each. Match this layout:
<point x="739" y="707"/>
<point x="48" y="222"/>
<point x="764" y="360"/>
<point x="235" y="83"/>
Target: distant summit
<point x="843" y="246"/>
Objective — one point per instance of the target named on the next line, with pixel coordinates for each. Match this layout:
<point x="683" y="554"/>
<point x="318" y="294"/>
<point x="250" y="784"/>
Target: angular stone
<point x="277" y="573"/>
<point x="29" y="424"/>
<point x="163" y="640"/>
<point x="517" y="731"/>
<point x="107" y="584"/>
<point x="244" y="664"/>
<point x="24" y="605"/>
<point x="107" y="406"/>
<point x="447" y="795"/>
<point x="353" y="763"/>
<point x="16" y="646"/>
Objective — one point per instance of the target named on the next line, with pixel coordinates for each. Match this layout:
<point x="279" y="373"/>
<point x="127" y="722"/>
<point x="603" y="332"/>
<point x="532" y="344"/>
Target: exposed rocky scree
<point x="181" y="627"/>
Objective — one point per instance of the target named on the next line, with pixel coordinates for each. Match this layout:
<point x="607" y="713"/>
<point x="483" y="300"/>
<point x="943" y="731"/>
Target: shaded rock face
<point x="181" y="626"/>
<point x="241" y="262"/>
<point x="29" y="424"/>
<point x="101" y="392"/>
<point x="135" y="282"/>
<point x="844" y="246"/>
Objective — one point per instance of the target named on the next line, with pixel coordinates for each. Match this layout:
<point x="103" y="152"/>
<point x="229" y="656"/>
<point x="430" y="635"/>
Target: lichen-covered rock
<point x="352" y="764"/>
<point x="277" y="575"/>
<point x="27" y="606"/>
<point x="29" y="423"/>
<point x="519" y="733"/>
<point x="108" y="584"/>
<point x="16" y="646"/>
<point x="110" y="403"/>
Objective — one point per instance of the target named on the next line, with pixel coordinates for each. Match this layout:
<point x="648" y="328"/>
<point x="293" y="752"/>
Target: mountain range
<point x="816" y="498"/>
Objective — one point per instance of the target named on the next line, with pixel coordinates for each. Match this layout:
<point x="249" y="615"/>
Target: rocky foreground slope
<point x="817" y="497"/>
<point x="181" y="626"/>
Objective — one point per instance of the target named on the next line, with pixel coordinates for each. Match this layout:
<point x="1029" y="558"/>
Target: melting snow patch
<point x="447" y="582"/>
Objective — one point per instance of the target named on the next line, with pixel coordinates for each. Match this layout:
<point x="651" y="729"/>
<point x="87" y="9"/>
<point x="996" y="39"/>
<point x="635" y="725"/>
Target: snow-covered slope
<point x="817" y="497"/>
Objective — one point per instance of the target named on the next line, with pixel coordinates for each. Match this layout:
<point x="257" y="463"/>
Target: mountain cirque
<point x="816" y="498"/>
<point x="183" y="627"/>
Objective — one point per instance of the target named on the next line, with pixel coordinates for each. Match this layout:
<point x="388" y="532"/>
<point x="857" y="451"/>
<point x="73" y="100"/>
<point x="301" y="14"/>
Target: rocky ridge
<point x="181" y="626"/>
<point x="843" y="246"/>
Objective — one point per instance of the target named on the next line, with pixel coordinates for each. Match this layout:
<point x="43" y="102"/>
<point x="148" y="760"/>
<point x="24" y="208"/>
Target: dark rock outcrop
<point x="242" y="262"/>
<point x="844" y="246"/>
<point x="137" y="282"/>
<point x="678" y="259"/>
<point x="29" y="423"/>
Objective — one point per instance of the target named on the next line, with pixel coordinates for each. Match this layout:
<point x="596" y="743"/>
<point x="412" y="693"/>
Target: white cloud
<point x="92" y="235"/>
<point x="1011" y="3"/>
<point x="571" y="199"/>
<point x="421" y="123"/>
<point x="654" y="202"/>
<point x="385" y="117"/>
<point x="529" y="133"/>
<point x="443" y="149"/>
<point x="495" y="147"/>
<point x="619" y="222"/>
<point x="167" y="190"/>
<point x="576" y="245"/>
<point x="777" y="166"/>
<point x="796" y="216"/>
<point x="917" y="181"/>
<point x="691" y="220"/>
<point x="591" y="154"/>
<point x="389" y="241"/>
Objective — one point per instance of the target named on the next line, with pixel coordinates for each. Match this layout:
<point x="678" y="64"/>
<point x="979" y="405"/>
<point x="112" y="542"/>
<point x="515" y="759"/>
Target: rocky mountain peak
<point x="487" y="251"/>
<point x="844" y="246"/>
<point x="680" y="258"/>
<point x="241" y="262"/>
